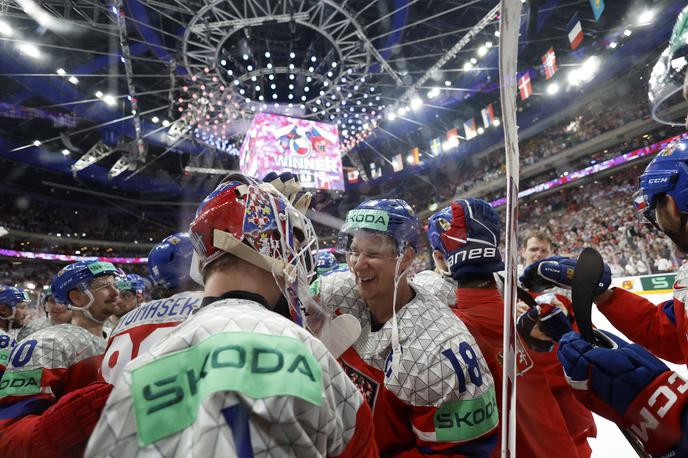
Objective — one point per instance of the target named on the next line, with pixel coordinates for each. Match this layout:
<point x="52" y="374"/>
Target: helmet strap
<point x="85" y="309"/>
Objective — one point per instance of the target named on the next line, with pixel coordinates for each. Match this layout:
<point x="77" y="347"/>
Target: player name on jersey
<point x="176" y="306"/>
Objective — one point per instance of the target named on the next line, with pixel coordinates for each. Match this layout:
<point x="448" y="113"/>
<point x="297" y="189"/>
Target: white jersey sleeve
<point x="233" y="380"/>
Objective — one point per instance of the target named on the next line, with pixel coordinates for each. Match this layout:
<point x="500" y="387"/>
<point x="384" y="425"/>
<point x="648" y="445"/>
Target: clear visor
<point x="665" y="88"/>
<point x="644" y="212"/>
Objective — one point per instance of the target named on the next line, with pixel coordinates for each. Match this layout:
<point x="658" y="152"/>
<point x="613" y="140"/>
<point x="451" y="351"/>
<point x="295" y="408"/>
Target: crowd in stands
<point x="38" y="217"/>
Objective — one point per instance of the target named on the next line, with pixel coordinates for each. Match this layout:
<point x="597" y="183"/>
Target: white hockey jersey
<point x="435" y="283"/>
<point x="7" y="343"/>
<point x="142" y="327"/>
<point x="443" y="379"/>
<point x="234" y="380"/>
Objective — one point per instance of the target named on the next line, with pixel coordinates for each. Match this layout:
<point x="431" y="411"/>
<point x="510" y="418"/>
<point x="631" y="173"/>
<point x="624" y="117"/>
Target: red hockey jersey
<point x="542" y="429"/>
<point x="42" y="368"/>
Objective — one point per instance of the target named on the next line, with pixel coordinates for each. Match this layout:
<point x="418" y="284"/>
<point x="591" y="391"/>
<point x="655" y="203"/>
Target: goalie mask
<point x="254" y="222"/>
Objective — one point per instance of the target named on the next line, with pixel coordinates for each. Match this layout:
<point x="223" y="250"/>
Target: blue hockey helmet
<point x="391" y="217"/>
<point x="12" y="296"/>
<point x="169" y="261"/>
<point x="325" y="262"/>
<point x="438" y="223"/>
<point x="131" y="282"/>
<point x="666" y="174"/>
<point x="78" y="276"/>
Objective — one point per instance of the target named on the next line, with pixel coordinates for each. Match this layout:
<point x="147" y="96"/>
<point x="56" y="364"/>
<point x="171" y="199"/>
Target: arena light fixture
<point x="6" y="29"/>
<point x="496" y="122"/>
<point x="165" y="123"/>
<point x="109" y="100"/>
<point x="99" y="94"/>
<point x="29" y="49"/>
<point x="482" y="51"/>
<point x="613" y="45"/>
<point x="488" y="44"/>
<point x="627" y="33"/>
<point x="447" y="83"/>
<point x="269" y="66"/>
<point x="434" y="92"/>
<point x="245" y="56"/>
<point x="267" y="54"/>
<point x="391" y="115"/>
<point x="155" y="119"/>
<point x="481" y="131"/>
<point x="36" y="143"/>
<point x="553" y="88"/>
<point x="223" y="62"/>
<point x="645" y="17"/>
<point x="61" y="71"/>
<point x="65" y="152"/>
<point x="474" y="60"/>
<point x="249" y="68"/>
<point x="292" y="55"/>
<point x="74" y="80"/>
<point x="416" y="103"/>
<point x="466" y="67"/>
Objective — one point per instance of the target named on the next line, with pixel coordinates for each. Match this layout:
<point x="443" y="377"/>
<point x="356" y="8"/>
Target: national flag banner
<point x="352" y="175"/>
<point x="414" y="156"/>
<point x="524" y="86"/>
<point x="398" y="163"/>
<point x="488" y="116"/>
<point x="436" y="146"/>
<point x="575" y="31"/>
<point x="453" y="138"/>
<point x="597" y="8"/>
<point x="469" y="127"/>
<point x="549" y="61"/>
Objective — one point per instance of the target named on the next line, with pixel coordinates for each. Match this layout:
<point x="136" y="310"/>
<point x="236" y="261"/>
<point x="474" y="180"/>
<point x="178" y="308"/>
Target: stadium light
<point x="410" y="159"/>
<point x="645" y="17"/>
<point x="165" y="123"/>
<point x="99" y="94"/>
<point x="74" y="80"/>
<point x="36" y="143"/>
<point x="109" y="100"/>
<point x="474" y="60"/>
<point x="447" y="83"/>
<point x="467" y="66"/>
<point x="6" y="29"/>
<point x="488" y="44"/>
<point x="482" y="51"/>
<point x="613" y="45"/>
<point x="65" y="152"/>
<point x="29" y="49"/>
<point x="627" y="33"/>
<point x="267" y="54"/>
<point x="496" y="122"/>
<point x="249" y="68"/>
<point x="391" y="116"/>
<point x="590" y="67"/>
<point x="292" y="54"/>
<point x="155" y="119"/>
<point x="245" y="56"/>
<point x="434" y="92"/>
<point x="552" y="89"/>
<point x="61" y="71"/>
<point x="416" y="103"/>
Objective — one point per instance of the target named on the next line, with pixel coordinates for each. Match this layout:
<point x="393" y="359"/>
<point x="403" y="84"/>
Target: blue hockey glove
<point x="629" y="386"/>
<point x="557" y="271"/>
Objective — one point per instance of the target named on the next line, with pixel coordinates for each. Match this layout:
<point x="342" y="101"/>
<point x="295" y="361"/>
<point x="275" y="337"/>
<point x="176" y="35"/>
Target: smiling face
<point x="57" y="313"/>
<point x="105" y="293"/>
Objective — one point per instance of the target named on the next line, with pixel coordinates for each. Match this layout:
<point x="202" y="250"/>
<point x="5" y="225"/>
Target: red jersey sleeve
<point x="645" y="323"/>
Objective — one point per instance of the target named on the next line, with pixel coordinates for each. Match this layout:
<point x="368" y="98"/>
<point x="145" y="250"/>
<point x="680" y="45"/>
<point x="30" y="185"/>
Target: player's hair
<point x="538" y="235"/>
<point x="225" y="262"/>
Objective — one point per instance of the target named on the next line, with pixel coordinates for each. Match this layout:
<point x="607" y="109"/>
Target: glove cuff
<point x="654" y="416"/>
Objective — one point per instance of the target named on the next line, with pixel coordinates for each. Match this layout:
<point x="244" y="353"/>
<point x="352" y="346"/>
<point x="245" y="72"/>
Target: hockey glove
<point x="551" y="320"/>
<point x="471" y="244"/>
<point x="557" y="271"/>
<point x="70" y="422"/>
<point x="289" y="184"/>
<point x="629" y="386"/>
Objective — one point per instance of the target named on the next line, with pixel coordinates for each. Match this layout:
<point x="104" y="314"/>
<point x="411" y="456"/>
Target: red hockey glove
<point x="70" y="421"/>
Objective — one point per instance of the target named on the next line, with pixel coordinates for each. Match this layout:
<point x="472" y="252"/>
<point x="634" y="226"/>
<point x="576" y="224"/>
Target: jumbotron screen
<point x="281" y="143"/>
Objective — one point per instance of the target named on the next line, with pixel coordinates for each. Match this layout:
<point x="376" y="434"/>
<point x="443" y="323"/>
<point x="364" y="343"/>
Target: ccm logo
<point x="657" y="180"/>
<point x="661" y="401"/>
<point x="475" y="253"/>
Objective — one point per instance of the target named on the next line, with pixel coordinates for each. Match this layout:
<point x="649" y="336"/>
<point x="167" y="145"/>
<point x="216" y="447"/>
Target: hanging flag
<point x="524" y="86"/>
<point x="597" y="8"/>
<point x="469" y="127"/>
<point x="398" y="163"/>
<point x="414" y="157"/>
<point x="488" y="116"/>
<point x="352" y="175"/>
<point x="452" y="138"/>
<point x="549" y="61"/>
<point x="575" y="31"/>
<point x="436" y="146"/>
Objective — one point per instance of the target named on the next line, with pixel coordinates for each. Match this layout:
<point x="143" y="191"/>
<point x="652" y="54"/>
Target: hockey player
<point x="239" y="377"/>
<point x="13" y="305"/>
<point x="46" y="407"/>
<point x="621" y="381"/>
<point x="469" y="238"/>
<point x="419" y="368"/>
<point x="439" y="280"/>
<point x="57" y="313"/>
<point x="131" y="288"/>
<point x="169" y="263"/>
